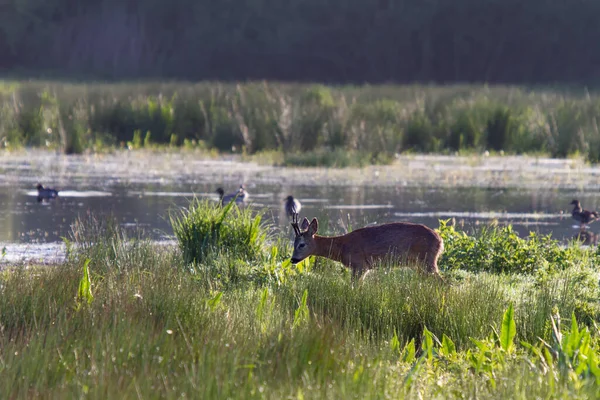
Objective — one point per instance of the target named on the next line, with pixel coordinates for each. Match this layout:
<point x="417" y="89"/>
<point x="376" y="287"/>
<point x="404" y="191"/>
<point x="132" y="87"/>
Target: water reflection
<point x="586" y="238"/>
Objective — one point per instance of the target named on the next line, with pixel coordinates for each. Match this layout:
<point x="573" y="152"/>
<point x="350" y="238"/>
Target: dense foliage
<point x="338" y="41"/>
<point x="310" y="124"/>
<point x="500" y="250"/>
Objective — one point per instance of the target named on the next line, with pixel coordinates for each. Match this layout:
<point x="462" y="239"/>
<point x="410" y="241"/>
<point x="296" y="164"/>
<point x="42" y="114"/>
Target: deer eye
<point x="301" y="245"/>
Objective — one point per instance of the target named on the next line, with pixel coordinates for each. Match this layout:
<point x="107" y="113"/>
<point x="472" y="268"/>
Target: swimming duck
<point x="292" y="206"/>
<point x="241" y="196"/>
<point x="581" y="215"/>
<point x="46" y="193"/>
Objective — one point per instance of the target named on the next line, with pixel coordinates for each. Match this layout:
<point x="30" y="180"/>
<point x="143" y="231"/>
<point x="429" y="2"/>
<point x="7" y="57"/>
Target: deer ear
<point x="304" y="225"/>
<point x="314" y="226"/>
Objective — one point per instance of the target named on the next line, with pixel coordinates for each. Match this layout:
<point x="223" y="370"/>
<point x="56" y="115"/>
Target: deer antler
<point x="295" y="224"/>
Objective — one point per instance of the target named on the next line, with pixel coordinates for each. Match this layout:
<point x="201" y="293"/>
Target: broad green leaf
<point x="395" y="343"/>
<point x="262" y="303"/>
<point x="274" y="252"/>
<point x="409" y="351"/>
<point x="85" y="284"/>
<point x="509" y="329"/>
<point x="427" y="345"/>
<point x="448" y="347"/>
<point x="573" y="337"/>
<point x="594" y="369"/>
<point x="214" y="301"/>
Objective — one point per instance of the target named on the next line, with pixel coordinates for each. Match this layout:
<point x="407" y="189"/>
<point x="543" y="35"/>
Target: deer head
<point x="304" y="243"/>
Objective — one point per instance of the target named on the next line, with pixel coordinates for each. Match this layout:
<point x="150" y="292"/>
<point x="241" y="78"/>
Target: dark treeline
<point x="537" y="41"/>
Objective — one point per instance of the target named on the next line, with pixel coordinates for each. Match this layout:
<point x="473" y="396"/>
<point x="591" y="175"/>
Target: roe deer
<point x="583" y="216"/>
<point x="361" y="248"/>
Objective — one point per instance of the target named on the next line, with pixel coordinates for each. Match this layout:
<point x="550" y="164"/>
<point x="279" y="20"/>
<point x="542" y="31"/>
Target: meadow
<point x="224" y="314"/>
<point x="301" y="124"/>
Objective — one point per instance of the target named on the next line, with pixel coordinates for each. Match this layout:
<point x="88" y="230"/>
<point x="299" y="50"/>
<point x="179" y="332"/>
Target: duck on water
<point x="241" y="196"/>
<point x="582" y="216"/>
<point x="46" y="193"/>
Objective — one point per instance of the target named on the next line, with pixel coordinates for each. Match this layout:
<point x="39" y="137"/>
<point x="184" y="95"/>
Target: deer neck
<point x="329" y="247"/>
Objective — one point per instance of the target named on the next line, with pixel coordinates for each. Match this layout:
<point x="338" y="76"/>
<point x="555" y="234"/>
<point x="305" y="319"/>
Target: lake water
<point x="139" y="189"/>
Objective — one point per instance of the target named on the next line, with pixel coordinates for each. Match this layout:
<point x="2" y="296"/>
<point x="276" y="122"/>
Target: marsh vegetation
<point x="301" y="125"/>
<point x="225" y="314"/>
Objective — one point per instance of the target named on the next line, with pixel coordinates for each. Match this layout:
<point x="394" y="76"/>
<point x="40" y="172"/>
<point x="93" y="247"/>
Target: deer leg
<point x="357" y="270"/>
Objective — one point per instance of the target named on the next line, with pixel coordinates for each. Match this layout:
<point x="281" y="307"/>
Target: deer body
<point x="361" y="248"/>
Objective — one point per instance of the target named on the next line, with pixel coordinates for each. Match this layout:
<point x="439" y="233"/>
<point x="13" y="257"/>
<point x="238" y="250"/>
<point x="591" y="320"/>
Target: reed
<point x="306" y="124"/>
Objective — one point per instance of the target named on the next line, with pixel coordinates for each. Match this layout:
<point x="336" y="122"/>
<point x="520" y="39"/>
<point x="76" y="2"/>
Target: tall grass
<point x="310" y="124"/>
<point x="153" y="329"/>
<point x="206" y="229"/>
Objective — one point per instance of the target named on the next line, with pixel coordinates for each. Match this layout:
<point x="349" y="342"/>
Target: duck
<point x="583" y="216"/>
<point x="241" y="196"/>
<point x="292" y="206"/>
<point x="46" y="193"/>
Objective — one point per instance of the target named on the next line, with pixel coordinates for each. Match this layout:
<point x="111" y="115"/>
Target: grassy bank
<point x="301" y="124"/>
<point x="225" y="315"/>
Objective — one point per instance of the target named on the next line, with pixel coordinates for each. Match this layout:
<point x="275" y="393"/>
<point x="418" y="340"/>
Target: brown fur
<point x="360" y="249"/>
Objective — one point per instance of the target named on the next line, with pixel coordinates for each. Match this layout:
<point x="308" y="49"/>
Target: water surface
<point x="140" y="189"/>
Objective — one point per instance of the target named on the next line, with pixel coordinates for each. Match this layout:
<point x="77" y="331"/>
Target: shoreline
<point x="123" y="166"/>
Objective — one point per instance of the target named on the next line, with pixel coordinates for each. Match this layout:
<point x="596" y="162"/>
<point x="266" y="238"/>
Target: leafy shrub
<point x="501" y="250"/>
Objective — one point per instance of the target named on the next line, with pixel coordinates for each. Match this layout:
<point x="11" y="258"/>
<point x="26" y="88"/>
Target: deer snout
<point x="295" y="260"/>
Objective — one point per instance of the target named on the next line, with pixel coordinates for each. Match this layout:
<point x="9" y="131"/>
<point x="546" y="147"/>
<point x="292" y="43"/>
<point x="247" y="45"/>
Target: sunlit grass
<point x="206" y="228"/>
<point x="148" y="327"/>
<point x="304" y="124"/>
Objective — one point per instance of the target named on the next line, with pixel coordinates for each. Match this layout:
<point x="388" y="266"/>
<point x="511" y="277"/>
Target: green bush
<point x="500" y="250"/>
